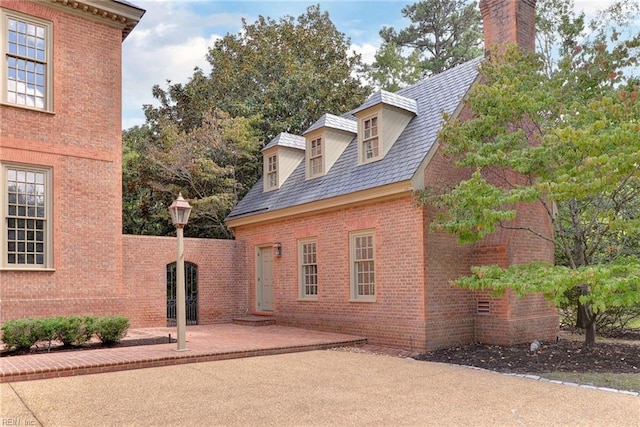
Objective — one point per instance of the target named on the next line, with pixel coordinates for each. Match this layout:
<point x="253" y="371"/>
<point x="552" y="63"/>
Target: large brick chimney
<point x="512" y="319"/>
<point x="509" y="21"/>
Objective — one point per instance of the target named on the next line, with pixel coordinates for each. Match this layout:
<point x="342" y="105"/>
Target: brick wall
<point x="222" y="278"/>
<point x="396" y="317"/>
<point x="81" y="142"/>
<point x="452" y="313"/>
<point x="511" y="21"/>
<point x="450" y="310"/>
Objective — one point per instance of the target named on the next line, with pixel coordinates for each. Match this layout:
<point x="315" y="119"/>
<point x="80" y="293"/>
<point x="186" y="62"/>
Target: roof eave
<point x="364" y="196"/>
<point x="116" y="13"/>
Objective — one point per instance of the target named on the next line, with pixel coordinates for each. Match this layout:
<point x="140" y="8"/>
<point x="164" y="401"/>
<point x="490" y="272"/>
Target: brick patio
<point x="204" y="343"/>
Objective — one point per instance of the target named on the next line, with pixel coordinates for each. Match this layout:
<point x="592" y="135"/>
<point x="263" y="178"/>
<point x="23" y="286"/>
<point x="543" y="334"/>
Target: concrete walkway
<point x="204" y="343"/>
<point x="317" y="388"/>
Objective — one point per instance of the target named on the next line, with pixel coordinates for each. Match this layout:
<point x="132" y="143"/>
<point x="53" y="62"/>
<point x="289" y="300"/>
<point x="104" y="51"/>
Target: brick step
<point x="254" y="320"/>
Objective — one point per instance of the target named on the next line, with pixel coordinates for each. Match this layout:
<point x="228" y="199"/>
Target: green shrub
<point x="22" y="334"/>
<point x="112" y="329"/>
<point x="75" y="330"/>
<point x="19" y="334"/>
<point x="45" y="329"/>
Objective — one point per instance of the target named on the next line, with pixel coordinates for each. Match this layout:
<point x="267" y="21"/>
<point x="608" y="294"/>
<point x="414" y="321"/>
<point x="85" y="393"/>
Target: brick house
<point x="61" y="156"/>
<point x="335" y="240"/>
<point x="330" y="238"/>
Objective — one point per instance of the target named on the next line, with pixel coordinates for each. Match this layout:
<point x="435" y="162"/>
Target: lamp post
<point x="180" y="210"/>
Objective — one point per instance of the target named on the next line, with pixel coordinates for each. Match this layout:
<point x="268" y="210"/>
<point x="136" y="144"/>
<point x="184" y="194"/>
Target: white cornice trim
<point x="348" y="200"/>
<point x="112" y="13"/>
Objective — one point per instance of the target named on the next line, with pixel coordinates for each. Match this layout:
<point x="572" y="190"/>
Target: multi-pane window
<point x="26" y="226"/>
<point x="272" y="171"/>
<point x="315" y="157"/>
<point x="370" y="146"/>
<point x="308" y="256"/>
<point x="363" y="280"/>
<point x="26" y="61"/>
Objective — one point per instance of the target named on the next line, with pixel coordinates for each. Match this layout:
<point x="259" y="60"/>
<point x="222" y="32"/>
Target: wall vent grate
<point x="484" y="307"/>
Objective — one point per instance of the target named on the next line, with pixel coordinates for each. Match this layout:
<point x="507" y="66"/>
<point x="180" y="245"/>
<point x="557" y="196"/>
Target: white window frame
<point x="367" y="139"/>
<point x="5" y="232"/>
<point x="316" y="157"/>
<point x="272" y="171"/>
<point x="303" y="274"/>
<point x="26" y="64"/>
<point x="355" y="260"/>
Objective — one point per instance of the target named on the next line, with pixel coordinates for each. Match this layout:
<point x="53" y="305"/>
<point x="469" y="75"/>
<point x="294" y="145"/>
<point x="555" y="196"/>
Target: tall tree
<point x="559" y="28"/>
<point x="288" y="72"/>
<point x="585" y="117"/>
<point x="144" y="208"/>
<point x="213" y="165"/>
<point x="390" y="70"/>
<point x="444" y="33"/>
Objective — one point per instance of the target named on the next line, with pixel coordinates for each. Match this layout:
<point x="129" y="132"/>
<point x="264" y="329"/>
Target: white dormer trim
<point x="326" y="140"/>
<point x="280" y="158"/>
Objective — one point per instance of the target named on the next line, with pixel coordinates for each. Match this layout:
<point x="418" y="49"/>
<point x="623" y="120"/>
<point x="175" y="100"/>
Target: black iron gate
<point x="191" y="293"/>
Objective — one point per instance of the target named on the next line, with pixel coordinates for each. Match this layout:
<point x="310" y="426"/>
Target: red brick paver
<point x="204" y="343"/>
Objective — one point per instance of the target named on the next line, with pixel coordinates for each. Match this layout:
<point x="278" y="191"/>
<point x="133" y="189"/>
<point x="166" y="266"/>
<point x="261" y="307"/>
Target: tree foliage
<point x="287" y="72"/>
<point x="442" y="33"/>
<point x="391" y="70"/>
<point x="568" y="139"/>
<point x="213" y="165"/>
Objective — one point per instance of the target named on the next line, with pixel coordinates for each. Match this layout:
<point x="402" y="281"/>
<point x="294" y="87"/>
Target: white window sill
<point x="363" y="299"/>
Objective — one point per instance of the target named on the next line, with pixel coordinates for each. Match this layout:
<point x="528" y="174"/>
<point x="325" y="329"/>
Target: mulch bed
<point x="561" y="356"/>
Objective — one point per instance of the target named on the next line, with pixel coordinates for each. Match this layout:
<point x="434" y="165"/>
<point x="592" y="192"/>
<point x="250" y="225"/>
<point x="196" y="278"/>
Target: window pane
<point x="363" y="265"/>
<point x="309" y="269"/>
<point x="25" y="216"/>
<point x="26" y="63"/>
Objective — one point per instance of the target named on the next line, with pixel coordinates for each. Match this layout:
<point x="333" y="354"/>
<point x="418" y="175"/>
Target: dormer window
<point x="381" y="120"/>
<point x="326" y="140"/>
<point x="280" y="158"/>
<point x="315" y="157"/>
<point x="272" y="171"/>
<point x="370" y="146"/>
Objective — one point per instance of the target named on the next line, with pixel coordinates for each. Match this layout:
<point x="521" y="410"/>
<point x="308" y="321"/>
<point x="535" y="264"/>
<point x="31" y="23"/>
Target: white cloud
<point x="367" y="50"/>
<point x="145" y="67"/>
<point x="168" y="43"/>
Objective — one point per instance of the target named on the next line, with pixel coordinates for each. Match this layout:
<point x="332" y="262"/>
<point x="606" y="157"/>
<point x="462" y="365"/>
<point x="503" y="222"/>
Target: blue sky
<point x="173" y="36"/>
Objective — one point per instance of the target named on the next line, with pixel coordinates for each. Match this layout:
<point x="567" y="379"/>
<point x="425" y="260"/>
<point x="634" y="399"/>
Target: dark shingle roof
<point x="435" y="95"/>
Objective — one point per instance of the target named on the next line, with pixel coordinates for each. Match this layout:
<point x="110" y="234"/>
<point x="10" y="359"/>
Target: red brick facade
<point x="222" y="278"/>
<point x="510" y="21"/>
<point x="396" y="317"/>
<point x="96" y="270"/>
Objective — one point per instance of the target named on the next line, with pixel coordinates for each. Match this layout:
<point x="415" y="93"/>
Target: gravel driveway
<point x="312" y="388"/>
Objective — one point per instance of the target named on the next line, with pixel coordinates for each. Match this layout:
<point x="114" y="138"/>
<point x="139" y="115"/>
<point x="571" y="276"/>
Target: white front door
<point x="264" y="279"/>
